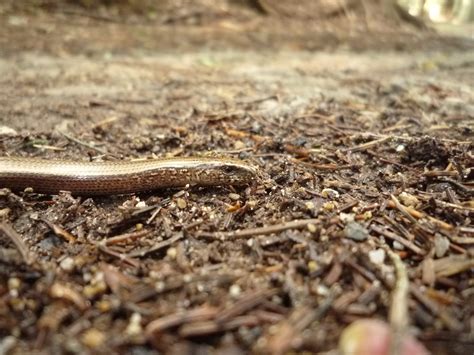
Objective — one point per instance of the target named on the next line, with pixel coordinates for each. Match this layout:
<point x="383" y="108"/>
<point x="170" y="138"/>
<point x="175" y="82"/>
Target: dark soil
<point x="364" y="137"/>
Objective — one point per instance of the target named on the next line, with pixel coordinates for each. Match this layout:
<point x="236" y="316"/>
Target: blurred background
<point x="305" y="24"/>
<point x="441" y="11"/>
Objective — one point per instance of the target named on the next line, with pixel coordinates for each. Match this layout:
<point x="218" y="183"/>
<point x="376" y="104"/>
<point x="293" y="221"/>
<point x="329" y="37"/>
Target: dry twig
<point x="125" y="258"/>
<point x="160" y="245"/>
<point x="127" y="237"/>
<point x="406" y="243"/>
<point x="18" y="241"/>
<point x="252" y="232"/>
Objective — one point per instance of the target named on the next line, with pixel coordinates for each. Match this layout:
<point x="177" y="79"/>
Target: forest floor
<point x="363" y="139"/>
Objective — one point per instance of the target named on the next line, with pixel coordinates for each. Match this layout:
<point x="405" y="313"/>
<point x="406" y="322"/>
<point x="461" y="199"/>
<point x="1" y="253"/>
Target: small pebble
<point x="346" y="217"/>
<point x="313" y="266"/>
<point x="160" y="286"/>
<point x="400" y="148"/>
<point x="322" y="290"/>
<point x="104" y="305"/>
<point x="377" y="256"/>
<point x="312" y="227"/>
<point x="355" y="231"/>
<point x="134" y="327"/>
<point x="252" y="204"/>
<point x="398" y="246"/>
<point x="171" y="253"/>
<point x="441" y="245"/>
<point x="310" y="205"/>
<point x="67" y="264"/>
<point x="14" y="283"/>
<point x="181" y="203"/>
<point x="234" y="196"/>
<point x="141" y="204"/>
<point x="235" y="291"/>
<point x="73" y="346"/>
<point x="239" y="145"/>
<point x="93" y="338"/>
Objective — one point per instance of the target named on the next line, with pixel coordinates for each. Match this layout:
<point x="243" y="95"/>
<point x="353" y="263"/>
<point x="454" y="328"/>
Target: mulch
<point x="354" y="201"/>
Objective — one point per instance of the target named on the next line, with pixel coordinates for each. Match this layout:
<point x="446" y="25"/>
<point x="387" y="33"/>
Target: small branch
<point x="406" y="243"/>
<point x="328" y="167"/>
<point x="60" y="232"/>
<point x="436" y="173"/>
<point x="367" y="145"/>
<point x="211" y="327"/>
<point x="413" y="214"/>
<point x="159" y="325"/>
<point x="251" y="232"/>
<point x="164" y="244"/>
<point x="125" y="258"/>
<point x="127" y="237"/>
<point x="404" y="210"/>
<point x="449" y="321"/>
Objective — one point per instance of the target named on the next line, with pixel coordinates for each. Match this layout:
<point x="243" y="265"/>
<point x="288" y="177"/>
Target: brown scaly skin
<point x="121" y="177"/>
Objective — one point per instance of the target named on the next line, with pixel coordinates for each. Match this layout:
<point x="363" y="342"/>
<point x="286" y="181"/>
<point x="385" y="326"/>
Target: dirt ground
<point x="364" y="142"/>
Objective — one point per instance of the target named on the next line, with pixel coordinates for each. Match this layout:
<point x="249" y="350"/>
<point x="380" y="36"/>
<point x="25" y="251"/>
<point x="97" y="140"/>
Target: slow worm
<point x="120" y="177"/>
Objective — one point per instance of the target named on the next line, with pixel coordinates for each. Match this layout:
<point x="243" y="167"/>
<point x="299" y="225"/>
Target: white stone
<point x="398" y="246"/>
<point x="377" y="256"/>
<point x="67" y="264"/>
<point x="235" y="291"/>
<point x="441" y="245"/>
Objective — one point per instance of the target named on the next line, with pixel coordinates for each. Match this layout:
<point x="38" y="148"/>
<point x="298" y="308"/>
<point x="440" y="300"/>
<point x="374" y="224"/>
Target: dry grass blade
<point x="399" y="319"/>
